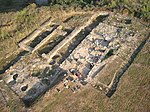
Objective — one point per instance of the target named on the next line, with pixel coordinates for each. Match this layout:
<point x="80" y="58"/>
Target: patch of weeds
<point x="146" y="10"/>
<point x="113" y="4"/>
<point x="26" y="16"/>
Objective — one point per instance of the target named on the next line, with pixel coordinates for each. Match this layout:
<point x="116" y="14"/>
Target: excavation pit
<point x="89" y="54"/>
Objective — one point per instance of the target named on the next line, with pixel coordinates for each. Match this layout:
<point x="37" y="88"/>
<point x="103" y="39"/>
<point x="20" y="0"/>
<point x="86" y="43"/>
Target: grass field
<point x="132" y="94"/>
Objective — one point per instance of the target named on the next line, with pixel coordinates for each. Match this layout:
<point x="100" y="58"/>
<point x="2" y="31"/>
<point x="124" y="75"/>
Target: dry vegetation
<point x="132" y="94"/>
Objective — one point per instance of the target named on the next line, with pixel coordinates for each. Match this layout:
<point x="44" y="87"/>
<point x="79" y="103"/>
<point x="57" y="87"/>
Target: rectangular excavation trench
<point x="88" y="55"/>
<point x="87" y="41"/>
<point x="109" y="77"/>
<point x="29" y="88"/>
<point x="25" y="42"/>
<point x="46" y="31"/>
<point x="34" y="34"/>
<point x="59" y="71"/>
<point x="41" y="36"/>
<point x="45" y="49"/>
<point x="110" y="86"/>
<point x="46" y="46"/>
<point x="114" y="83"/>
<point x="77" y="55"/>
<point x="80" y="30"/>
<point x="132" y="48"/>
<point x="44" y="37"/>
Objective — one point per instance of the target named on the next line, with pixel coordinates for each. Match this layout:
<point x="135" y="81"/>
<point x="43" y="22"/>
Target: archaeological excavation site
<point x="80" y="50"/>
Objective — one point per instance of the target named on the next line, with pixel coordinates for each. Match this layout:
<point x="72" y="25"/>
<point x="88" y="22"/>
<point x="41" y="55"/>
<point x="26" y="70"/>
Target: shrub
<point x="6" y="2"/>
